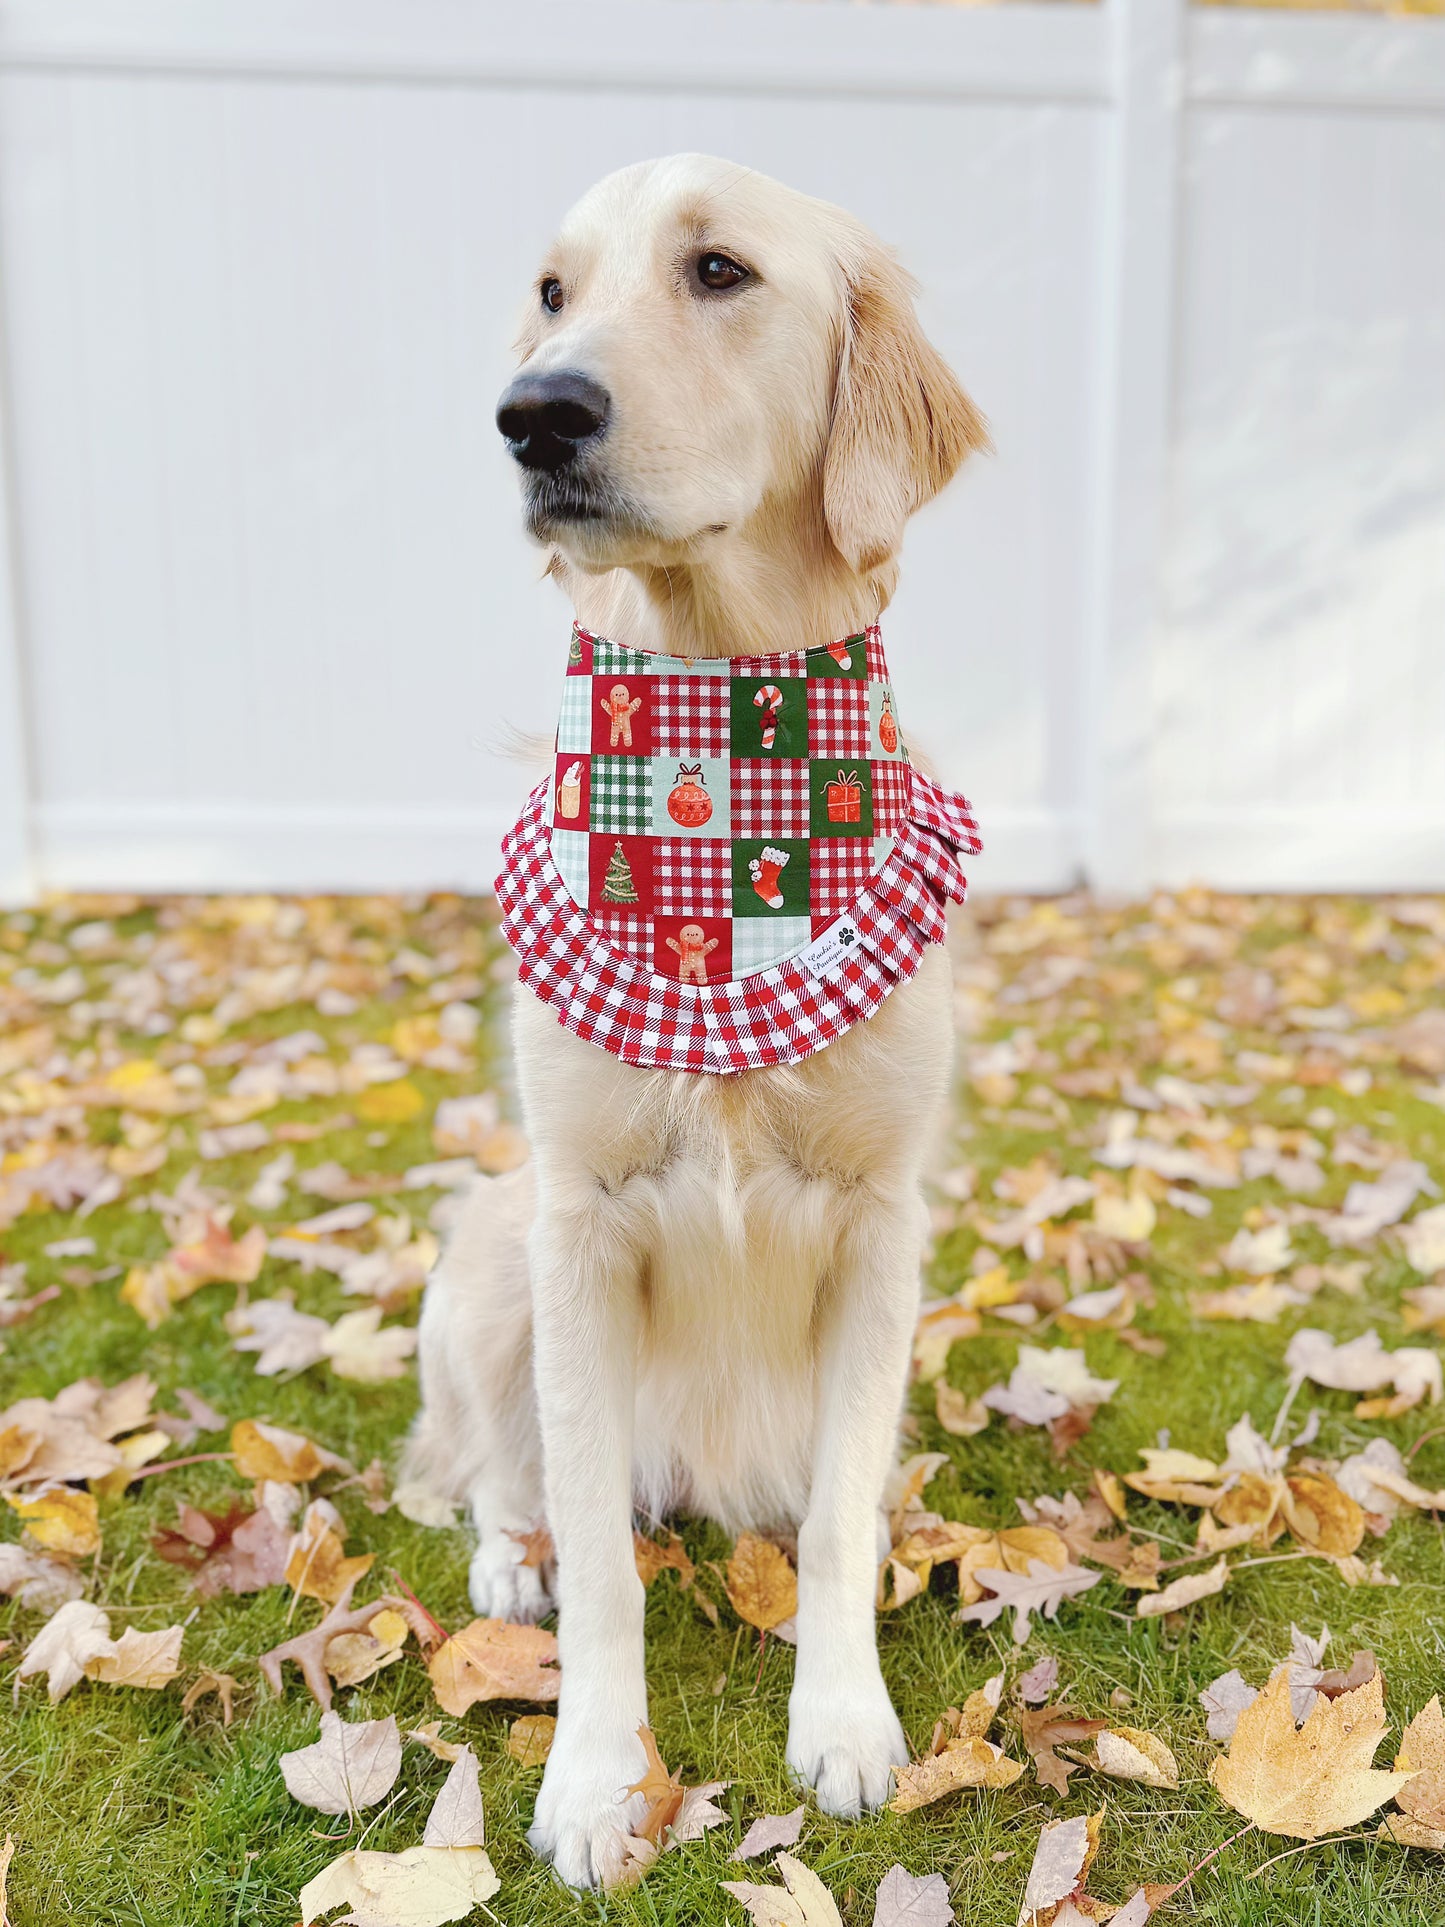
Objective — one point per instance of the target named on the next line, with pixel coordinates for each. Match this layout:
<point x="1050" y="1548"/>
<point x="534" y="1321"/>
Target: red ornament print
<point x="689" y="803"/>
<point x="888" y="726"/>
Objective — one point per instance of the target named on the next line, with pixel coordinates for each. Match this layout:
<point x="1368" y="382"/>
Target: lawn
<point x="143" y="1044"/>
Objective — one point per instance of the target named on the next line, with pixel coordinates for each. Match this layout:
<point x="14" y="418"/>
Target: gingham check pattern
<point x="621" y="795"/>
<point x="840" y="870"/>
<point x="690" y="716"/>
<point x="838" y="717"/>
<point x="890" y="797"/>
<point x="595" y="966"/>
<point x="770" y="799"/>
<point x="692" y="876"/>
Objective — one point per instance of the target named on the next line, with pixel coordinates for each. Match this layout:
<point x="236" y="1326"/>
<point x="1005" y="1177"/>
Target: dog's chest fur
<point x="727" y="1199"/>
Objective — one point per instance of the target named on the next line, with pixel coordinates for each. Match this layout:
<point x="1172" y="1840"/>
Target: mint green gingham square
<point x="574" y="721"/>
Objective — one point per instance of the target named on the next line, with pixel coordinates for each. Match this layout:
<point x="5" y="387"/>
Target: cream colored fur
<point x="700" y="1295"/>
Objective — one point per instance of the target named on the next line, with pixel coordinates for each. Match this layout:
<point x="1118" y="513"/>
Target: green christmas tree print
<point x="617" y="885"/>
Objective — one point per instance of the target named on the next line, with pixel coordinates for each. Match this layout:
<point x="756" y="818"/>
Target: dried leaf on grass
<point x="912" y="1900"/>
<point x="1307" y="1781"/>
<point x="493" y="1659"/>
<point x="769" y="1832"/>
<point x="1184" y="1592"/>
<point x="802" y="1900"/>
<point x="442" y="1880"/>
<point x="762" y="1586"/>
<point x="1040" y="1589"/>
<point x="75" y="1644"/>
<point x="530" y="1737"/>
<point x="352" y="1765"/>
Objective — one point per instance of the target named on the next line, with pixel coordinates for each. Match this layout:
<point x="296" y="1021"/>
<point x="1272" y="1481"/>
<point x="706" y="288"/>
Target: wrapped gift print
<point x="713" y="818"/>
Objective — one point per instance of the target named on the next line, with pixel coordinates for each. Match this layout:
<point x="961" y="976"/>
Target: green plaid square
<point x="621" y="795"/>
<point x="574" y="721"/>
<point x="611" y="659"/>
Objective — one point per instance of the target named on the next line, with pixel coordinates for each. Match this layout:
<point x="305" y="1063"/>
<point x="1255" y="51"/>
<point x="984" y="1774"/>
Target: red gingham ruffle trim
<point x="777" y="1016"/>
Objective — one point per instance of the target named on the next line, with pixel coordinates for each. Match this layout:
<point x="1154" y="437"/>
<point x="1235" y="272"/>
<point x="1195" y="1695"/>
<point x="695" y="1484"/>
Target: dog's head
<point x="702" y="343"/>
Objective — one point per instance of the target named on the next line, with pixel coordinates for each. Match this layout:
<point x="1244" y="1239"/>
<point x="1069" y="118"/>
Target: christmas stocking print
<point x="765" y="871"/>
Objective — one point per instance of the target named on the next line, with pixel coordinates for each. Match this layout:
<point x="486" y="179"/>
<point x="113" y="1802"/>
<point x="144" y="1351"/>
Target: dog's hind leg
<point x="476" y="1438"/>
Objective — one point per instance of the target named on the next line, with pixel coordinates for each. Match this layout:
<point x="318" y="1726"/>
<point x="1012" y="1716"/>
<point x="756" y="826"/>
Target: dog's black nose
<point x="548" y="419"/>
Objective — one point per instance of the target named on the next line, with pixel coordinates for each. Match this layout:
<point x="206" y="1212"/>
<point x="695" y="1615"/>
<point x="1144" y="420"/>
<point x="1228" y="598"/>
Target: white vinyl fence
<point x="263" y="595"/>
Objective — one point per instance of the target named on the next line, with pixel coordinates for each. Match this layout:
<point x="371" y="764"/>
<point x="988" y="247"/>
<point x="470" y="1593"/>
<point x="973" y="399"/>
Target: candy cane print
<point x="771" y="696"/>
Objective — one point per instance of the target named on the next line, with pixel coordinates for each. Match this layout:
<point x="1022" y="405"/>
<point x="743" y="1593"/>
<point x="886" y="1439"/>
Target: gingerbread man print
<point x="619" y="708"/>
<point x="693" y="951"/>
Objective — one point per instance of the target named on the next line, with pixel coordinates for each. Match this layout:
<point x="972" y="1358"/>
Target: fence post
<point x="1141" y="181"/>
<point x="17" y="874"/>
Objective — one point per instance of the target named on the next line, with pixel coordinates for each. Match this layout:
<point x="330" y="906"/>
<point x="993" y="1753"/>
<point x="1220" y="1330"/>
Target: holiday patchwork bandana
<point x="716" y="831"/>
<point x="714" y="818"/>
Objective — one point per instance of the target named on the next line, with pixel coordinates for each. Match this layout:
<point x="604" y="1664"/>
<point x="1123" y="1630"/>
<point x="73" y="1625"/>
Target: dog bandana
<point x="733" y="860"/>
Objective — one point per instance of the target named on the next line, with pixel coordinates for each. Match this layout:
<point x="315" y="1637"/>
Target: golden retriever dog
<point x="701" y="1293"/>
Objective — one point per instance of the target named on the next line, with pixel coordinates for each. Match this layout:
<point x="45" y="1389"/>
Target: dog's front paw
<point x="501" y="1586"/>
<point x="845" y="1743"/>
<point x="585" y="1817"/>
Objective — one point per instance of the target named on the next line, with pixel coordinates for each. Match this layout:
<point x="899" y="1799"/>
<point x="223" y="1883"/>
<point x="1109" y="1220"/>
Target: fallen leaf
<point x="65" y="1646"/>
<point x="270" y="1452"/>
<point x="1303" y="1782"/>
<point x="59" y="1519"/>
<point x="308" y="1650"/>
<point x="1127" y="1753"/>
<point x="494" y="1659"/>
<point x="802" y="1901"/>
<point x="351" y="1766"/>
<point x="1224" y="1699"/>
<point x="149" y="1660"/>
<point x="661" y="1790"/>
<point x="912" y="1900"/>
<point x="456" y="1816"/>
<point x="1040" y="1589"/>
<point x="205" y="1683"/>
<point x="769" y="1832"/>
<point x="422" y="1887"/>
<point x="32" y="1579"/>
<point x="316" y="1565"/>
<point x="1051" y="1727"/>
<point x="1061" y="1861"/>
<point x="429" y="1736"/>
<point x="530" y="1737"/>
<point x="762" y="1586"/>
<point x="962" y="1763"/>
<point x="1039" y="1681"/>
<point x="353" y="1657"/>
<point x="1184" y="1592"/>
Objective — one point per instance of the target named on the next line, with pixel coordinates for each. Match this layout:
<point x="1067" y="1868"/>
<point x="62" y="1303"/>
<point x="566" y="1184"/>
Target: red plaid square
<point x="692" y="877"/>
<point x="877" y="666"/>
<point x="841" y="867"/>
<point x="890" y="797"/>
<point x="775" y="668"/>
<point x="626" y="930"/>
<point x="837" y="717"/>
<point x="769" y="799"/>
<point x="690" y="716"/>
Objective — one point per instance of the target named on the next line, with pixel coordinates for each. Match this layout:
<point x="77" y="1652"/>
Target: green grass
<point x="125" y="1812"/>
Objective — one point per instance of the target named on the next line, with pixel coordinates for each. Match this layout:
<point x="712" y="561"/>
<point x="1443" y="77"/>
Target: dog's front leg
<point x="585" y="1296"/>
<point x="844" y="1738"/>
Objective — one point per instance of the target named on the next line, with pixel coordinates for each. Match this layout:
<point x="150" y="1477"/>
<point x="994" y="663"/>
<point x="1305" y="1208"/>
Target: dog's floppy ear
<point x="901" y="423"/>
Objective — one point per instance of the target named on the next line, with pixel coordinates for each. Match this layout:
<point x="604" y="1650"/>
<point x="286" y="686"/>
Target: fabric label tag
<point x="837" y="943"/>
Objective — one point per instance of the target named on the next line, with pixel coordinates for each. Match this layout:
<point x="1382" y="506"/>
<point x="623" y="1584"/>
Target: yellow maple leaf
<point x="761" y="1584"/>
<point x="1311" y="1780"/>
<point x="493" y="1659"/>
<point x="963" y="1763"/>
<point x="60" y="1519"/>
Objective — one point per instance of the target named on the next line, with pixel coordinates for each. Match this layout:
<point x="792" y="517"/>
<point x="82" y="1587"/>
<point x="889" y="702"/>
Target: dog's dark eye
<point x="719" y="271"/>
<point x="552" y="295"/>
